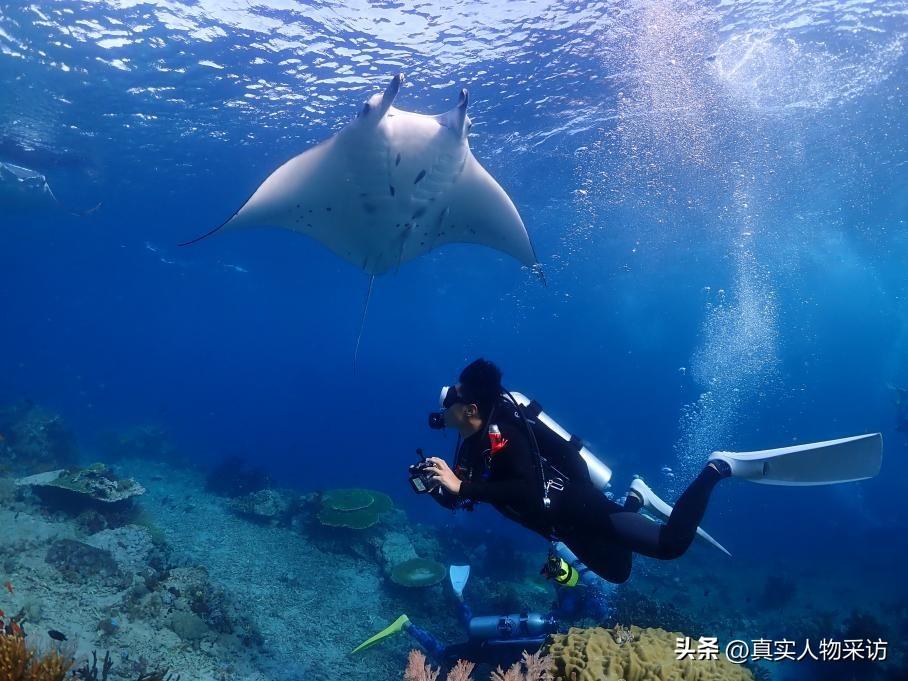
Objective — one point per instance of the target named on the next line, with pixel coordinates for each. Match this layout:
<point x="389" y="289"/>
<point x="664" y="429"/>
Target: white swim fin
<point x="459" y="575"/>
<point x="817" y="463"/>
<point x="662" y="511"/>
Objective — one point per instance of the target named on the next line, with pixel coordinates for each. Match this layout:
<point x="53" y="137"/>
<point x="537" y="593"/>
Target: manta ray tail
<point x="216" y="229"/>
<point x="208" y="233"/>
<point x="75" y="213"/>
<point x="87" y="212"/>
<point x="362" y="322"/>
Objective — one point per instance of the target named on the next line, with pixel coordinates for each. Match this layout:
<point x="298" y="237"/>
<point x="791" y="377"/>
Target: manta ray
<point x="390" y="186"/>
<point x="23" y="190"/>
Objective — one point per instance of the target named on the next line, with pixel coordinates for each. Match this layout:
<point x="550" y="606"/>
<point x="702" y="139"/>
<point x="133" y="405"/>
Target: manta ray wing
<point x="311" y="194"/>
<point x="479" y="211"/>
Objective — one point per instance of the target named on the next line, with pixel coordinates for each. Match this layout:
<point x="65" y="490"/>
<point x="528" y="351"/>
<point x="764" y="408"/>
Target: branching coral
<point x="18" y="662"/>
<point x="535" y="667"/>
<point x="91" y="672"/>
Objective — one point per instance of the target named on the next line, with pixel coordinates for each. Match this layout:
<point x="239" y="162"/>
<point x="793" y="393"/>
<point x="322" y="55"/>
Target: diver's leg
<point x="607" y="559"/>
<point x="590" y="515"/>
<point x="672" y="539"/>
<point x="435" y="648"/>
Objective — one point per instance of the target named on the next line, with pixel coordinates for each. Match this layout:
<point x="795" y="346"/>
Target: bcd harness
<point x="550" y="476"/>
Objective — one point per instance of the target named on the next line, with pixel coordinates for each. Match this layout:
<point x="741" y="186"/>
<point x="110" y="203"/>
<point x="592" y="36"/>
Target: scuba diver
<point x="495" y="640"/>
<point x="499" y="640"/>
<point x="512" y="455"/>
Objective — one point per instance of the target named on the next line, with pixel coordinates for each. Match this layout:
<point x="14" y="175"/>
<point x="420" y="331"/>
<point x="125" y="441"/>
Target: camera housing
<point x="420" y="478"/>
<point x="421" y="475"/>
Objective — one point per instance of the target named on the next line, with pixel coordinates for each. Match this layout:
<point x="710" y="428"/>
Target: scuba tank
<point x="560" y="447"/>
<point x="505" y="627"/>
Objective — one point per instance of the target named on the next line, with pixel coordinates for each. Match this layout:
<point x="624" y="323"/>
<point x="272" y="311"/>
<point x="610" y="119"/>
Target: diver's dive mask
<point x="448" y="397"/>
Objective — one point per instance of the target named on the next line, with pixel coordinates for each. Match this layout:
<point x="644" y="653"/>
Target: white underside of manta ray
<point x="389" y="187"/>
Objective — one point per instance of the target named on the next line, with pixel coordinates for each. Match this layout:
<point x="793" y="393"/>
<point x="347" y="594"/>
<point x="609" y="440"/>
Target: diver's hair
<point x="480" y="383"/>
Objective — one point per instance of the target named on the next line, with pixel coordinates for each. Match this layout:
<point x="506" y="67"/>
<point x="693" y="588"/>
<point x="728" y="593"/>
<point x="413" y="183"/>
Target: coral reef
<point x="418" y="572"/>
<point x="535" y="667"/>
<point x="346" y="499"/>
<point x="97" y="483"/>
<point x="269" y="506"/>
<point x="632" y="654"/>
<point x="357" y="509"/>
<point x="231" y="478"/>
<point x="34" y="439"/>
<point x="95" y="496"/>
<point x="78" y="562"/>
<point x="201" y="610"/>
<point x="633" y="605"/>
<point x="395" y="548"/>
<point x="19" y="662"/>
<point x="90" y="672"/>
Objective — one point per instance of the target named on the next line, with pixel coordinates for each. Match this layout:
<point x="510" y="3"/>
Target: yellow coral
<point x="20" y="663"/>
<point x="633" y="654"/>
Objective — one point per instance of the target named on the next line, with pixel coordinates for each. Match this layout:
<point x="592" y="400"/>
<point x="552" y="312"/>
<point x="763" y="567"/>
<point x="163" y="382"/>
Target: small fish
<point x="2" y="437"/>
<point x="15" y="629"/>
<point x="2" y="614"/>
<point x="56" y="635"/>
<point x="706" y="592"/>
<point x="9" y="586"/>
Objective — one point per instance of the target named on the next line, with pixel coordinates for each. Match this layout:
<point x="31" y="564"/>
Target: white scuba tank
<point x="600" y="474"/>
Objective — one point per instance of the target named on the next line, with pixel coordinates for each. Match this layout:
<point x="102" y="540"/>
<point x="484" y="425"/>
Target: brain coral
<point x="633" y="654"/>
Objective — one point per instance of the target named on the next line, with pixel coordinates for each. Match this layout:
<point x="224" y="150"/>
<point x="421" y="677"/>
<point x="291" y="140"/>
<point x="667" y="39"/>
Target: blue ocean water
<point x="716" y="191"/>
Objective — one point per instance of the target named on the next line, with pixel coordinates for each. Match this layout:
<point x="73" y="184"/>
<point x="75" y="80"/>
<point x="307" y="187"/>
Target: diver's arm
<point x="444" y="498"/>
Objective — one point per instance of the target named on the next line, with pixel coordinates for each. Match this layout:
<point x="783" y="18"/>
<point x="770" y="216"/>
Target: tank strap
<point x="533" y="409"/>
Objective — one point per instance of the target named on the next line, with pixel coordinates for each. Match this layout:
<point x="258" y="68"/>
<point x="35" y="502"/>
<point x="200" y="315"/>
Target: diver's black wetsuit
<point x="603" y="534"/>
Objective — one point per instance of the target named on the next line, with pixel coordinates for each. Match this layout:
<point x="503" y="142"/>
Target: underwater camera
<point x="421" y="475"/>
